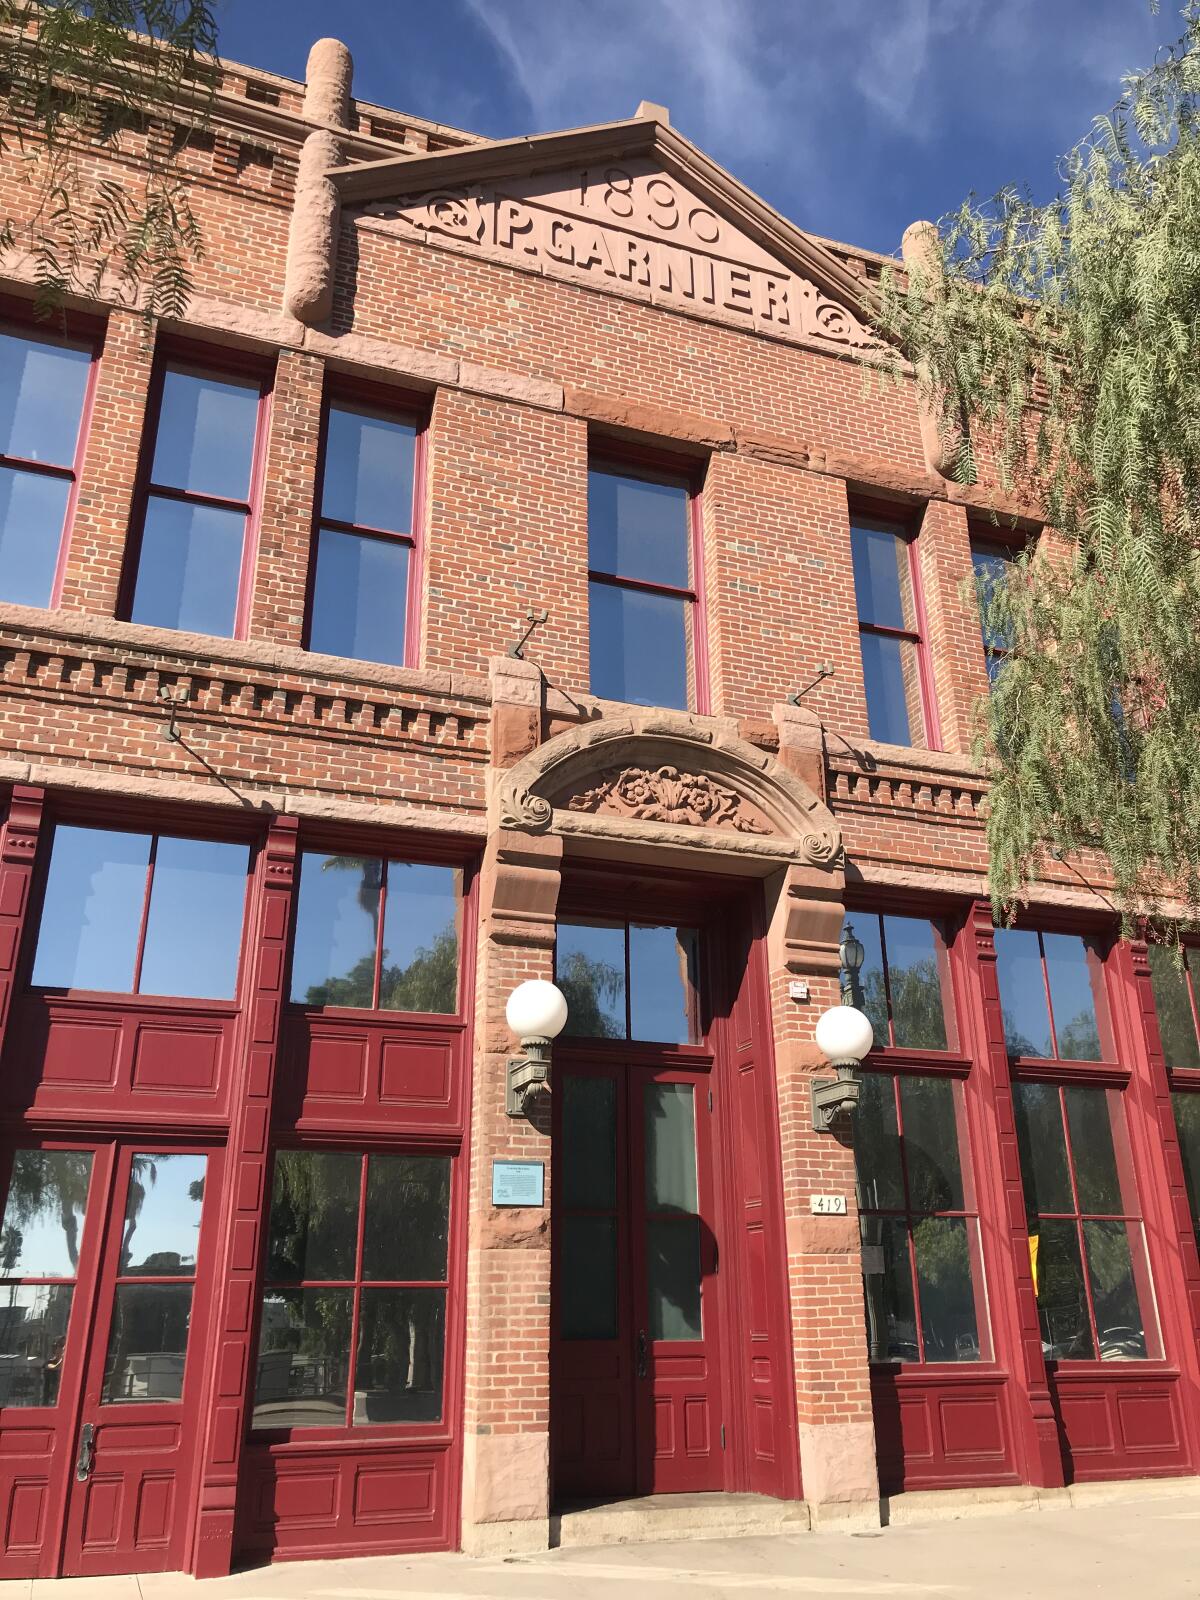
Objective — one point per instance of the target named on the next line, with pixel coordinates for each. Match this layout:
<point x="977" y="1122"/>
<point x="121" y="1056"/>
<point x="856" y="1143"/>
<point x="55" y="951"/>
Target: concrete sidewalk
<point x="1147" y="1547"/>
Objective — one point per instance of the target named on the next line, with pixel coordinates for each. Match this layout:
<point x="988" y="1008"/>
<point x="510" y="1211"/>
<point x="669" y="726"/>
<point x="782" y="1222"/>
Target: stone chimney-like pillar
<point x="316" y="206"/>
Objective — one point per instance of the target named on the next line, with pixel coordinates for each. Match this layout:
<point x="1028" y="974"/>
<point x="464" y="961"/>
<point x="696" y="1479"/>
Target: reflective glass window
<point x="628" y="980"/>
<point x="1052" y="994"/>
<point x="1173" y="974"/>
<point x="992" y="564"/>
<point x="356" y="1241"/>
<point x="885" y="586"/>
<point x="903" y="983"/>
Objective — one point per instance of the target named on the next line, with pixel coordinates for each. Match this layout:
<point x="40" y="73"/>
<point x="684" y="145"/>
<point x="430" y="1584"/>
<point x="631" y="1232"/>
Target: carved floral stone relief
<point x="667" y="795"/>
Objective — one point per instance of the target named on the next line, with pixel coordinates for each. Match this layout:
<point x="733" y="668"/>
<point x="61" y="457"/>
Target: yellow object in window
<point x="1033" y="1261"/>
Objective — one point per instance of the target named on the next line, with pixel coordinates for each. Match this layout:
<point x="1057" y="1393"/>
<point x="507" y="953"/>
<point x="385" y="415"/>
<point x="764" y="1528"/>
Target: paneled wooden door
<point x="104" y="1284"/>
<point x="636" y="1401"/>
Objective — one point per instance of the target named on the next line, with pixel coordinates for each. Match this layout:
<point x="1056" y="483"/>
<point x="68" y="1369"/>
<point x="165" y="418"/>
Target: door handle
<point x="86" y="1459"/>
<point x="641" y="1353"/>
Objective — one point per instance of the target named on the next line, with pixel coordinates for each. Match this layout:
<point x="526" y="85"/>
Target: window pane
<point x="638" y="529"/>
<point x="1062" y="1302"/>
<point x="1044" y="1171"/>
<point x="589" y="1133"/>
<point x="1075" y="977"/>
<point x="1173" y="1004"/>
<point x="189" y="567"/>
<point x="147" y="1343"/>
<point x="915" y="979"/>
<point x="205" y="437"/>
<point x="1092" y="1150"/>
<point x="1022" y="992"/>
<point x="408" y="1217"/>
<point x="673" y="1277"/>
<point x="32" y="511"/>
<point x="401" y="1347"/>
<point x="589" y="967"/>
<point x="662" y="984"/>
<point x="1119" y="1324"/>
<point x="314" y="1215"/>
<point x="303" y="1359"/>
<point x="92" y="911"/>
<point x="867" y="989"/>
<point x="887" y="1283"/>
<point x="669" y="1123"/>
<point x="33" y="1335"/>
<point x="991" y="566"/>
<point x="931" y="1144"/>
<point x="1187" y="1120"/>
<point x="162" y="1215"/>
<point x="586" y="1265"/>
<point x="877" y="1145"/>
<point x="43" y="1214"/>
<point x="369" y="470"/>
<point x="360" y="597"/>
<point x="944" y="1284"/>
<point x="893" y="685"/>
<point x="639" y="646"/>
<point x="41" y="399"/>
<point x="194" y="926"/>
<point x="337" y="914"/>
<point x="883" y="578"/>
<point x="420" y="939"/>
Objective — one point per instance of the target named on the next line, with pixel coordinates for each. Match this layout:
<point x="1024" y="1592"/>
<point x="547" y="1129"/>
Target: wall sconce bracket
<point x="527" y="1075"/>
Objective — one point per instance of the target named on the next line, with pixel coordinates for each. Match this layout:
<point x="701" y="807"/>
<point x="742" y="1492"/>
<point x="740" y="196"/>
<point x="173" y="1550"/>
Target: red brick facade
<point x="492" y="294"/>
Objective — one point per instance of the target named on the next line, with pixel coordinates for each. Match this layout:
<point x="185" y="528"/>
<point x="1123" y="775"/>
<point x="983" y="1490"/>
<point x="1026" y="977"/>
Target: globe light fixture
<point x="537" y="1013"/>
<point x="844" y="1037"/>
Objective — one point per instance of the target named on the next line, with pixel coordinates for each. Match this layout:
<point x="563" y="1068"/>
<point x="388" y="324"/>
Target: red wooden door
<point x="102" y="1294"/>
<point x="636" y="1378"/>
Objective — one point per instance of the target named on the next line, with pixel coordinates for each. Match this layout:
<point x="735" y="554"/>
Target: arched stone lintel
<point x="666" y="782"/>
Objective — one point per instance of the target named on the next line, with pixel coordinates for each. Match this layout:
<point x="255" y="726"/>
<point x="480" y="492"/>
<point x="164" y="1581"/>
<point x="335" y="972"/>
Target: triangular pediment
<point x="629" y="208"/>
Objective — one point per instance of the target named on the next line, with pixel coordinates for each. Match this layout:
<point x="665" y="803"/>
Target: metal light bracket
<point x="534" y="619"/>
<point x="833" y="1098"/>
<point x="527" y="1075"/>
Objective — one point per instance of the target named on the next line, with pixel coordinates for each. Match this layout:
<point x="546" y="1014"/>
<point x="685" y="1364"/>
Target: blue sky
<point x="852" y="117"/>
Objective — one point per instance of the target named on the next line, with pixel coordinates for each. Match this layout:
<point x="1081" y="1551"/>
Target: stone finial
<point x="327" y="80"/>
<point x="651" y="111"/>
<point x="921" y="252"/>
<point x="921" y="247"/>
<point x="312" y="241"/>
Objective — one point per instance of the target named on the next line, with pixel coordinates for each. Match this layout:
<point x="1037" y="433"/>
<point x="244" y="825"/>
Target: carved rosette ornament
<point x="667" y="795"/>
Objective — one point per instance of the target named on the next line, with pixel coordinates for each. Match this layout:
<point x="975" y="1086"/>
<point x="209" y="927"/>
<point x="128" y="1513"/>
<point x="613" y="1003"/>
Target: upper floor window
<point x="365" y="561"/>
<point x="142" y="913"/>
<point x="195" y="555"/>
<point x="44" y="386"/>
<point x="629" y="980"/>
<point x="643" y="595"/>
<point x="1052" y="993"/>
<point x="1174" y="979"/>
<point x="376" y="934"/>
<point x="992" y="563"/>
<point x="902" y="982"/>
<point x="899" y="702"/>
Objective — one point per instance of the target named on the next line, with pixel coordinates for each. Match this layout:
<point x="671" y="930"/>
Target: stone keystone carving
<point x="667" y="795"/>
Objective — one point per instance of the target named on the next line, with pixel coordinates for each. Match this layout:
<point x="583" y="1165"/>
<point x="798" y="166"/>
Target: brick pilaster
<point x="286" y="526"/>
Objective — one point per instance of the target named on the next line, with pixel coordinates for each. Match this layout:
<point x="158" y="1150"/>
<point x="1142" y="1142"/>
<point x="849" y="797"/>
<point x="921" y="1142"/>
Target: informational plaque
<point x="518" y="1183"/>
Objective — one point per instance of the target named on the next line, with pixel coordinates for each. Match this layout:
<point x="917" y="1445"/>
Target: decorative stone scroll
<point x="629" y="228"/>
<point x="664" y="780"/>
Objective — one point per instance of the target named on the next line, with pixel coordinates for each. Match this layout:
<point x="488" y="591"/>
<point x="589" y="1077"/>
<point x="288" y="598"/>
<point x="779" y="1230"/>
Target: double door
<point x="104" y="1277"/>
<point x="636" y="1392"/>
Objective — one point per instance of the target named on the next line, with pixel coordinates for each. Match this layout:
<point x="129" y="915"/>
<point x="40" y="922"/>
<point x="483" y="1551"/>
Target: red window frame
<point x="1075" y="1065"/>
<point x="887" y="518"/>
<point x="223" y="366"/>
<point x="450" y="1281"/>
<point x="890" y="1053"/>
<point x="658" y="467"/>
<point x="392" y="406"/>
<point x="88" y="338"/>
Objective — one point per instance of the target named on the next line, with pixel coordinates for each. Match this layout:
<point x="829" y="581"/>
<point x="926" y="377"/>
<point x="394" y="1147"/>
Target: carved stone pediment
<point x="667" y="780"/>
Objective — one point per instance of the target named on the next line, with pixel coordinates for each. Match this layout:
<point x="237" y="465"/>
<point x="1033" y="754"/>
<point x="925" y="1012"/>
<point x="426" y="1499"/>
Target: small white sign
<point x="828" y="1205"/>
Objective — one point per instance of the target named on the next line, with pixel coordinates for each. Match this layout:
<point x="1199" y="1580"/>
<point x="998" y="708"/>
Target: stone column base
<point x="506" y="1493"/>
<point x="506" y="1538"/>
<point x="837" y="1464"/>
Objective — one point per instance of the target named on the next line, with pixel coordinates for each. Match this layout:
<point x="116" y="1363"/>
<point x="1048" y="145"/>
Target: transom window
<point x="365" y="538"/>
<point x="1052" y="991"/>
<point x="195" y="558"/>
<point x="642" y="591"/>
<point x="922" y="1264"/>
<point x="889" y="633"/>
<point x="43" y="390"/>
<point x="629" y="980"/>
<point x="1082" y="1212"/>
<point x="376" y="934"/>
<point x="903" y="985"/>
<point x="1173" y="976"/>
<point x="142" y="913"/>
<point x="353" y="1321"/>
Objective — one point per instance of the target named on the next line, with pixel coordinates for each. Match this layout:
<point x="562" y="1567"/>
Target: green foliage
<point x="77" y="81"/>
<point x="1060" y="346"/>
<point x="428" y="983"/>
